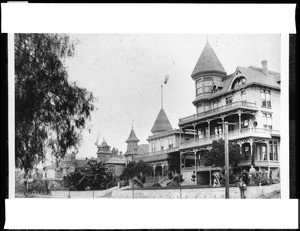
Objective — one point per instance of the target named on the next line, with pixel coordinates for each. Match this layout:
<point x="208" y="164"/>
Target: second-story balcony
<point x="163" y="151"/>
<point x="157" y="155"/>
<point x="212" y="112"/>
<point x="232" y="135"/>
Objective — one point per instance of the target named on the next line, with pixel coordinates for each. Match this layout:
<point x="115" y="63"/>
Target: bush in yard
<point x="94" y="175"/>
<point x="170" y="175"/>
<point x="37" y="186"/>
<point x="20" y="186"/>
<point x="176" y="182"/>
<point x="135" y="169"/>
<point x="156" y="185"/>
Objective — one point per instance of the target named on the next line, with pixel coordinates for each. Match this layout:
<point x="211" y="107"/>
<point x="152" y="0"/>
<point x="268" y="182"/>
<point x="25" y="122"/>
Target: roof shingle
<point x="132" y="137"/>
<point x="208" y="61"/>
<point x="161" y="123"/>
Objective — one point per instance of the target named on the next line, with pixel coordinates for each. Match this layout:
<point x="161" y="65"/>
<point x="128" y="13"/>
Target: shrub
<point x="170" y="175"/>
<point x="37" y="186"/>
<point x="156" y="185"/>
<point x="176" y="181"/>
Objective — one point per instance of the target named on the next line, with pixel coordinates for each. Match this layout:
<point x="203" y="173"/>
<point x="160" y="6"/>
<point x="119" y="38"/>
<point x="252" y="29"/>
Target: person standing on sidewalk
<point x="252" y="175"/>
<point x="242" y="186"/>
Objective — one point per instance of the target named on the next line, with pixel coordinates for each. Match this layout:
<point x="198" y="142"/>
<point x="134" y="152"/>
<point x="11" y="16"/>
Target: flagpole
<point x="161" y="87"/>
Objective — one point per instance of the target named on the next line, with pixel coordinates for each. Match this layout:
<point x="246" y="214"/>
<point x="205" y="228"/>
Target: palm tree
<point x="93" y="175"/>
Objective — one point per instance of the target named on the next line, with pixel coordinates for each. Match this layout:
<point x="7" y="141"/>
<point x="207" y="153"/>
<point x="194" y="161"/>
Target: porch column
<point x="267" y="150"/>
<point x="153" y="170"/>
<point x="251" y="149"/>
<point x="278" y="151"/>
<point x="180" y="161"/>
<point x="209" y="176"/>
<point x="194" y="127"/>
<point x="223" y="127"/>
<point x="184" y="161"/>
<point x="180" y="141"/>
<point x="240" y="120"/>
<point x="241" y="148"/>
<point x="195" y="156"/>
<point x="208" y="126"/>
<point x="268" y="157"/>
<point x="162" y="170"/>
<point x="183" y="135"/>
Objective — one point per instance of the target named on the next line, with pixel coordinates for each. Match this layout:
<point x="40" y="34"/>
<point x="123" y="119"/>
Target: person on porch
<point x="216" y="182"/>
<point x="245" y="177"/>
<point x="252" y="175"/>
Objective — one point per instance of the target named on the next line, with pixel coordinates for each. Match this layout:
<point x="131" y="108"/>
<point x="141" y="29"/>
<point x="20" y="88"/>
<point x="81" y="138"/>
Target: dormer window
<point x="238" y="82"/>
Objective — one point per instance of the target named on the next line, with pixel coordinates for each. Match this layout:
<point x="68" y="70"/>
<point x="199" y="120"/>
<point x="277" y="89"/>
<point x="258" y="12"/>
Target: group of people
<point x="254" y="177"/>
<point x="244" y="178"/>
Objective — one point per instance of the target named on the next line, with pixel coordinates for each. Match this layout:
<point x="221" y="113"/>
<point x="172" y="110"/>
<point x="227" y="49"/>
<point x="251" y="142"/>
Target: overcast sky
<point x="124" y="71"/>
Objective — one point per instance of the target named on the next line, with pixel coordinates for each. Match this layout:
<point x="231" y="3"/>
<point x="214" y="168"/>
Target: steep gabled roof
<point x="132" y="137"/>
<point x="161" y="123"/>
<point x="103" y="143"/>
<point x="208" y="62"/>
<point x="143" y="149"/>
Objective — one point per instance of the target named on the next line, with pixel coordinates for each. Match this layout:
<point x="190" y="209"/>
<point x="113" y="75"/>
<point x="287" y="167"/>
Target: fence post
<point x="180" y="192"/>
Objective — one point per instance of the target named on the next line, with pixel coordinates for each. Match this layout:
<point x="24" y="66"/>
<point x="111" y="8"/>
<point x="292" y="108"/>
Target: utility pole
<point x="225" y="125"/>
<point x="226" y="160"/>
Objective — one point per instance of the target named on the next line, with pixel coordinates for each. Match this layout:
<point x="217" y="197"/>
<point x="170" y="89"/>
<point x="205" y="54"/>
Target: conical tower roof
<point x="208" y="62"/>
<point x="103" y="143"/>
<point x="161" y="123"/>
<point x="132" y="137"/>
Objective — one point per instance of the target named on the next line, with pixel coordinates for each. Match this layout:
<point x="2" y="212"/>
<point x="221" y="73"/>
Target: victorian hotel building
<point x="249" y="98"/>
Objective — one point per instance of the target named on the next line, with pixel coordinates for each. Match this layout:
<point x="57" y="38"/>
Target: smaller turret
<point x="104" y="152"/>
<point x="132" y="145"/>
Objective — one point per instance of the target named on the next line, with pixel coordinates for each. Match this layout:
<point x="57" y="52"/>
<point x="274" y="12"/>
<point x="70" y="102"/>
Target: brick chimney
<point x="264" y="64"/>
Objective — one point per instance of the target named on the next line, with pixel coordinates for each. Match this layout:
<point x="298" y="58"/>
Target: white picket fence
<point x="82" y="194"/>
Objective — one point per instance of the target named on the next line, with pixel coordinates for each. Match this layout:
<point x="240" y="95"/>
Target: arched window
<point x="238" y="82"/>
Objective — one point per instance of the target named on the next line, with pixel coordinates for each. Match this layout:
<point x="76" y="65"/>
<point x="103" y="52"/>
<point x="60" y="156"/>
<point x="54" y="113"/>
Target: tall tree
<point x="50" y="111"/>
<point x="216" y="156"/>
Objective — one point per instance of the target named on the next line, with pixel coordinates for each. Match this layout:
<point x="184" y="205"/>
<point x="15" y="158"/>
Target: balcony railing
<point x="231" y="106"/>
<point x="159" y="152"/>
<point x="232" y="135"/>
